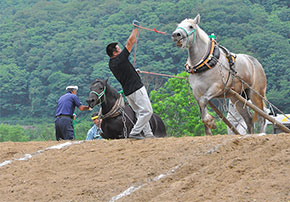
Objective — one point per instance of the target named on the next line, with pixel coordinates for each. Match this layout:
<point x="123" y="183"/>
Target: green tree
<point x="12" y="133"/>
<point x="41" y="132"/>
<point x="13" y="88"/>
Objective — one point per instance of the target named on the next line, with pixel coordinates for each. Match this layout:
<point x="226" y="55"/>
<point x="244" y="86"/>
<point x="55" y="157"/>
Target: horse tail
<point x="260" y="85"/>
<point x="255" y="117"/>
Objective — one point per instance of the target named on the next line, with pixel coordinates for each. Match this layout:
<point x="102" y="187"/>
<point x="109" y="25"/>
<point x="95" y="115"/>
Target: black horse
<point x="118" y="117"/>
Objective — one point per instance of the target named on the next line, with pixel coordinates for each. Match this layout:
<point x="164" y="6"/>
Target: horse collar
<point x="208" y="62"/>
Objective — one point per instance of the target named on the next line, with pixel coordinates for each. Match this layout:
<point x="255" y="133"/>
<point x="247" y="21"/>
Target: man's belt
<point x="63" y="115"/>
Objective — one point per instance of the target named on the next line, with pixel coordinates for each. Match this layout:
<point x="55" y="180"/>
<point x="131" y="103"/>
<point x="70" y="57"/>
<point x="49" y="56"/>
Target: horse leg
<point x="244" y="112"/>
<point x="206" y="118"/>
<point x="207" y="130"/>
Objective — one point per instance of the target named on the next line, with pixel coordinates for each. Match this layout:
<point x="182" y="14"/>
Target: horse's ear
<point x="197" y="19"/>
<point x="106" y="81"/>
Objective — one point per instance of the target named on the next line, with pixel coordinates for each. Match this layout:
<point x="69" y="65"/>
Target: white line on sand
<point x="132" y="189"/>
<point x="29" y="156"/>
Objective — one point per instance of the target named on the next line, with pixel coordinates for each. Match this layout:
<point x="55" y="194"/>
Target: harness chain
<point x="125" y="131"/>
<point x="225" y="107"/>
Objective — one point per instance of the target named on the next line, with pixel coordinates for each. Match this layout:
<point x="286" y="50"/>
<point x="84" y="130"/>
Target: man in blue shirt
<point x="96" y="131"/>
<point x="64" y="113"/>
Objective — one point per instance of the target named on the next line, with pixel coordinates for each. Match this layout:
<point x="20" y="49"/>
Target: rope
<point x="76" y="122"/>
<point x="153" y="30"/>
<point x="138" y="34"/>
<point x="123" y="94"/>
<point x="159" y="74"/>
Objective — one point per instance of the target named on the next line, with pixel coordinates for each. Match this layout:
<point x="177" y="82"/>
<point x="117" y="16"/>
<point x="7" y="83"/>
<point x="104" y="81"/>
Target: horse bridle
<point x="100" y="95"/>
<point x="187" y="34"/>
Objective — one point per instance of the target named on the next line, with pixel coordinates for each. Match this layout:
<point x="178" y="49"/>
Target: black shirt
<point x="125" y="73"/>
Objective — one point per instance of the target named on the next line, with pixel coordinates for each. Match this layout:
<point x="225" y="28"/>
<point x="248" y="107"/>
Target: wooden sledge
<point x="256" y="109"/>
<point x="260" y="112"/>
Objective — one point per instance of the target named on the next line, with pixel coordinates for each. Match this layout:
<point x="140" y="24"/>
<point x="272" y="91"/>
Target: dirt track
<point x="217" y="168"/>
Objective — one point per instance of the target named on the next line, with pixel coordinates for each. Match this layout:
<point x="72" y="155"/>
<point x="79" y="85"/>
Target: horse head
<point x="97" y="92"/>
<point x="185" y="33"/>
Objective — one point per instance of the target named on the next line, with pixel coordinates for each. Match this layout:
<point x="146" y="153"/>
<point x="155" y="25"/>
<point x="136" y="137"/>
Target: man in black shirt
<point x="132" y="85"/>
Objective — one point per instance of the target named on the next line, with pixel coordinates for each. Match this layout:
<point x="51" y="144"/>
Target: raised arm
<point x="131" y="40"/>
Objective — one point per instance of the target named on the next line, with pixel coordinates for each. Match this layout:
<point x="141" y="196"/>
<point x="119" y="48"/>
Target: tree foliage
<point x="12" y="133"/>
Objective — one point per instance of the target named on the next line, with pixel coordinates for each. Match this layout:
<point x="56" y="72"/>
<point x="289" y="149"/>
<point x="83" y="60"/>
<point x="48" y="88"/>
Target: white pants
<point x="140" y="103"/>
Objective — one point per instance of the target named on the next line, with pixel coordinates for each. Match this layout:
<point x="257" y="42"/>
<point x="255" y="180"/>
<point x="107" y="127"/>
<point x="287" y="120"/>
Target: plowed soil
<point x="215" y="168"/>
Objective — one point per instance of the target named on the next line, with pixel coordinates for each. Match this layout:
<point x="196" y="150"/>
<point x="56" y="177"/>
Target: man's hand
<point x="138" y="71"/>
<point x="136" y="23"/>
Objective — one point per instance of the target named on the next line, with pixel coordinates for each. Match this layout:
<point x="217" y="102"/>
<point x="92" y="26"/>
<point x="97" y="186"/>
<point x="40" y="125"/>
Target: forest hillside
<point x="46" y="45"/>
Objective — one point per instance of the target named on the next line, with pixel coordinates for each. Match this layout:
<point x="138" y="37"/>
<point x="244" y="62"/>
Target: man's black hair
<point x="111" y="48"/>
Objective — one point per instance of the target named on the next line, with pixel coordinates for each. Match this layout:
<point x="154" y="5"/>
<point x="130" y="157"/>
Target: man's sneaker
<point x="149" y="136"/>
<point x="136" y="136"/>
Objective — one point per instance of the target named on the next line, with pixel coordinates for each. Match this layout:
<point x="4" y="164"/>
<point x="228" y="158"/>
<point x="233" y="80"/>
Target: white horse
<point x="210" y="77"/>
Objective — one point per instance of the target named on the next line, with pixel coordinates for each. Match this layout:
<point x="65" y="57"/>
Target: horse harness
<point x="116" y="110"/>
<point x="211" y="59"/>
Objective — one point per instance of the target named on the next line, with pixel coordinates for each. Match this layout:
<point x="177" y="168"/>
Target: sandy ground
<point x="216" y="168"/>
